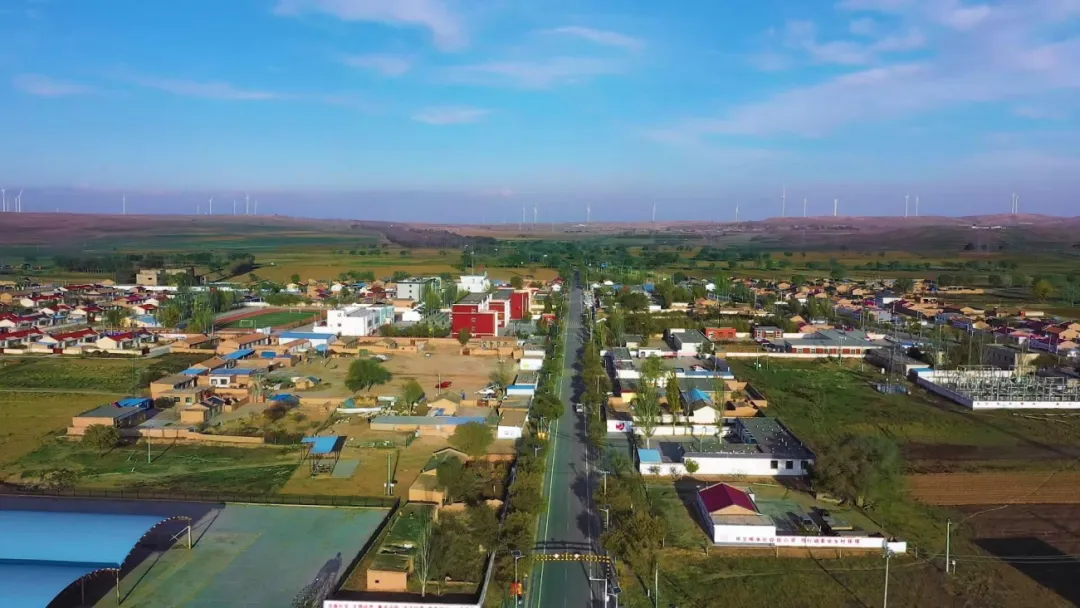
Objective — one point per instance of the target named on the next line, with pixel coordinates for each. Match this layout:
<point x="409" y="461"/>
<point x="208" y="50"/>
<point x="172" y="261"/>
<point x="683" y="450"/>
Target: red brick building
<point x="476" y="313"/>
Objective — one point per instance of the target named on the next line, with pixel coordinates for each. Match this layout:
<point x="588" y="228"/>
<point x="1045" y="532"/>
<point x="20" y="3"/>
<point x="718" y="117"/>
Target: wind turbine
<point x="234" y="206"/>
<point x="783" y="202"/>
<point x="804" y="206"/>
<point x="123" y="204"/>
<point x="534" y="216"/>
<point x="654" y="213"/>
<point x="522" y="222"/>
<point x="916" y="205"/>
<point x="3" y="195"/>
<point x="211" y="206"/>
<point x="906" y="204"/>
<point x="247" y="204"/>
<point x="588" y="212"/>
<point x="736" y="213"/>
<point x="18" y="201"/>
<point x="835" y="206"/>
<point x="255" y="207"/>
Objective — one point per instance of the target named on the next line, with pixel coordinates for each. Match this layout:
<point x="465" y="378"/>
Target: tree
<point x="411" y="393"/>
<point x="366" y="373"/>
<point x="432" y="301"/>
<point x="114" y="317"/>
<point x="464" y="336"/>
<point x="456" y="478"/>
<point x="1042" y="289"/>
<point x="101" y="437"/>
<point x="502" y="376"/>
<point x="646" y="410"/>
<point x="674" y="398"/>
<point x="691" y="466"/>
<point x="861" y="470"/>
<point x="295" y="278"/>
<point x="170" y="314"/>
<point x="425" y="551"/>
<point x="473" y="438"/>
<point x="903" y="285"/>
<point x="517" y="282"/>
<point x="163" y="403"/>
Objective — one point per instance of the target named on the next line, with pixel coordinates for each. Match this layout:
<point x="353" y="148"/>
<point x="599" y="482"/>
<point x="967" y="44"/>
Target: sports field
<point x="274" y="318"/>
<point x="243" y="554"/>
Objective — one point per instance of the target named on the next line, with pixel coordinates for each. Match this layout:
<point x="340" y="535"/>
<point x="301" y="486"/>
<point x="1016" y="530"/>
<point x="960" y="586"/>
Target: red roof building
<point x="722" y="499"/>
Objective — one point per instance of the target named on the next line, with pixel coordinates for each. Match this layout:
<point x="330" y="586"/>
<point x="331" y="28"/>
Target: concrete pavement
<point x="569" y="525"/>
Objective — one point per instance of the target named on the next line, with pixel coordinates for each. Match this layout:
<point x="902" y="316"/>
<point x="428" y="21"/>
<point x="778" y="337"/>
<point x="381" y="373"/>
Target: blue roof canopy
<point x="650" y="456"/>
<point x="43" y="552"/>
<point x="239" y="354"/>
<point x="323" y="445"/>
<point x="696" y="394"/>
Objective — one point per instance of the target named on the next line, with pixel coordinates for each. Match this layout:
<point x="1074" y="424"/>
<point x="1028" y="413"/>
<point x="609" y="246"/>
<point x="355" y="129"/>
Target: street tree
<point x="502" y="376"/>
<point x="464" y="336"/>
<point x="647" y="410"/>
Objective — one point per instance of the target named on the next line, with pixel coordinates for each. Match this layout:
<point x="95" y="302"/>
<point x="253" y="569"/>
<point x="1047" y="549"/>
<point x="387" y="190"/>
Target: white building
<point x="474" y="283"/>
<point x="756" y="447"/>
<point x="414" y="288"/>
<point x="355" y="320"/>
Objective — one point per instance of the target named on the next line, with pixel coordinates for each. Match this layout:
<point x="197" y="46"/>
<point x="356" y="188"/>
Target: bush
<point x="275" y="412"/>
<point x="163" y="403"/>
<point x="101" y="437"/>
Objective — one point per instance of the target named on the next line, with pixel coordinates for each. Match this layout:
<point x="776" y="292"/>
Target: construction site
<point x="987" y="388"/>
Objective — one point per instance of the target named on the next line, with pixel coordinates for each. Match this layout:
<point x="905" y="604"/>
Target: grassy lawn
<point x="174" y="467"/>
<point x="91" y="373"/>
<point x="270" y="319"/>
<point x="820" y="400"/>
<point x="29" y="420"/>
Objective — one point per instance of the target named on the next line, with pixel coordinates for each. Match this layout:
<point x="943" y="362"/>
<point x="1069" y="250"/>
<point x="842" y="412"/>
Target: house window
<point x="803" y="464"/>
<point x="790" y="464"/>
<point x="774" y="464"/>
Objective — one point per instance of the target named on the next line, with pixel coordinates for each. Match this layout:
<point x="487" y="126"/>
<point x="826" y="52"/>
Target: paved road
<point x="569" y="523"/>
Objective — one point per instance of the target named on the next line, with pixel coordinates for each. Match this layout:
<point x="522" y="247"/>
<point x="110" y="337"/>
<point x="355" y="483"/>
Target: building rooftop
<point x="111" y="412"/>
<point x="473" y="298"/>
<point x="689" y="336"/>
<point x="772" y="438"/>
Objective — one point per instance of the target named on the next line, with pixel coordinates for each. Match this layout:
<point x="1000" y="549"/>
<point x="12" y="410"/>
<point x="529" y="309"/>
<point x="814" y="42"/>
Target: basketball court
<point x="269" y="318"/>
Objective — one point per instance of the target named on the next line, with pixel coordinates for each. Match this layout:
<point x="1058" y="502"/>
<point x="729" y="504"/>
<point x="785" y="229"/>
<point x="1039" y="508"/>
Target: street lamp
<point x="517" y="581"/>
<point x="607" y="515"/>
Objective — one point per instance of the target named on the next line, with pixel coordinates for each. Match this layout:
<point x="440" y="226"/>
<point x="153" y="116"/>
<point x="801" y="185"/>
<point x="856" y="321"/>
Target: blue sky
<point x="468" y="109"/>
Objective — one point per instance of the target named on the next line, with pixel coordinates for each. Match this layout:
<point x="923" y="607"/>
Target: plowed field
<point x="996" y="488"/>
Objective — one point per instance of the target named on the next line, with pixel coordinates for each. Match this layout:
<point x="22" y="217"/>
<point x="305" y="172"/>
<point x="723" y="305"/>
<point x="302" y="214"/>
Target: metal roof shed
<point x="43" y="553"/>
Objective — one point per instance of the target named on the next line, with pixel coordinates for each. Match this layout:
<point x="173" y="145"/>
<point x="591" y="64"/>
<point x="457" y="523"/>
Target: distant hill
<point x="95" y="232"/>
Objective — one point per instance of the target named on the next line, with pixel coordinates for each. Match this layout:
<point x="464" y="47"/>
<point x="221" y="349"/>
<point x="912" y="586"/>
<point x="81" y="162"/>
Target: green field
<point x="822" y="400"/>
<point x="173" y="467"/>
<point x="127" y="375"/>
<point x="270" y="319"/>
<point x="29" y="420"/>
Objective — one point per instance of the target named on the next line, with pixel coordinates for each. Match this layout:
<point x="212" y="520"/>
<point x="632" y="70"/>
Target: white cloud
<point x="603" y="37"/>
<point x="209" y="89"/>
<point x="864" y="26"/>
<point x="1002" y="57"/>
<point x="450" y="115"/>
<point x="45" y="86"/>
<point x="540" y="74"/>
<point x="445" y="26"/>
<point x="387" y="65"/>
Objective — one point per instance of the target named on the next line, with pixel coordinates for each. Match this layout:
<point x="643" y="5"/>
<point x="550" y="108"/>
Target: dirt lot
<point x="468" y="374"/>
<point x="996" y="488"/>
<point x="1033" y="539"/>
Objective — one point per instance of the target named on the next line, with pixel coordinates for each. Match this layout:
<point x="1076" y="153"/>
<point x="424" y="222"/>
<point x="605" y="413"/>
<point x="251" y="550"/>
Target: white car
<point x="580" y="409"/>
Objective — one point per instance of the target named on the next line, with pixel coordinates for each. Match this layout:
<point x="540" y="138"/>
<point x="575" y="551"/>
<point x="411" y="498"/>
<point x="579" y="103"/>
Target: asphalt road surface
<point x="569" y="524"/>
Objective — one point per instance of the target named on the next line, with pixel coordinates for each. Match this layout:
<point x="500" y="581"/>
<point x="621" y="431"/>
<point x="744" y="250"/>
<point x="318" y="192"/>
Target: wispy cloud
<point x="387" y="65"/>
<point x="1001" y="57"/>
<point x="436" y="16"/>
<point x="541" y="74"/>
<point x="802" y="36"/>
<point x="210" y="89"/>
<point x="45" y="86"/>
<point x="450" y="115"/>
<point x="602" y="37"/>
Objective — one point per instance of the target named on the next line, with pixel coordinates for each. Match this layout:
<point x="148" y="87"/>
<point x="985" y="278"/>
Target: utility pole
<point x="885" y="598"/>
<point x="948" y="543"/>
